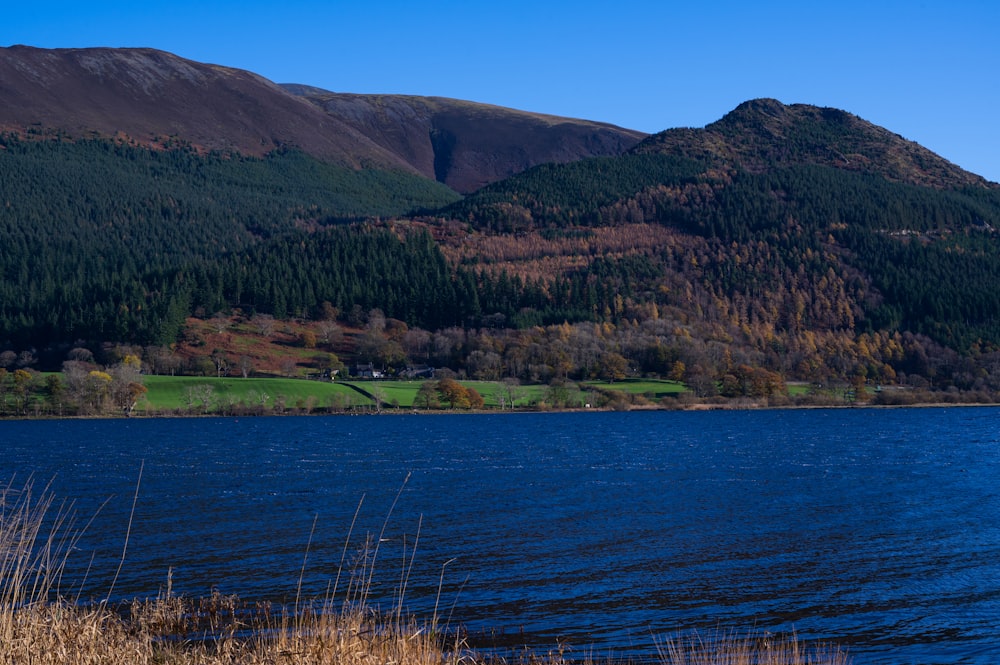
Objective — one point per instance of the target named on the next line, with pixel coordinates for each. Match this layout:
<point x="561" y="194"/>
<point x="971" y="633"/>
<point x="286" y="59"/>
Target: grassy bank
<point x="653" y="389"/>
<point x="212" y="395"/>
<point x="226" y="395"/>
<point x="39" y="626"/>
<point x="52" y="394"/>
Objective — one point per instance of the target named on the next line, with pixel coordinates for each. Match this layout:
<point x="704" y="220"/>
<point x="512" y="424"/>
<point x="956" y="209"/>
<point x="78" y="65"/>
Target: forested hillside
<point x="104" y="240"/>
<point x="804" y="247"/>
<point x="750" y="234"/>
<point x="779" y="244"/>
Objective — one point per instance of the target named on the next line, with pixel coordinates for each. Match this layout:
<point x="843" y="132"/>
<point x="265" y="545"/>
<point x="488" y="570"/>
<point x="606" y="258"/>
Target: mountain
<point x="156" y="98"/>
<point x="764" y="134"/>
<point x="153" y="97"/>
<point x="760" y="138"/>
<point x="464" y="144"/>
<point x="139" y="189"/>
<point x="790" y="232"/>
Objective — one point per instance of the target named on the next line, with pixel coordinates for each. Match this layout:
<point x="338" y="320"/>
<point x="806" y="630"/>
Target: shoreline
<point x="392" y="412"/>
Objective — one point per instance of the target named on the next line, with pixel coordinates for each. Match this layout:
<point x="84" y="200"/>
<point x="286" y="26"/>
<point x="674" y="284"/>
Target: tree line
<point x="807" y="271"/>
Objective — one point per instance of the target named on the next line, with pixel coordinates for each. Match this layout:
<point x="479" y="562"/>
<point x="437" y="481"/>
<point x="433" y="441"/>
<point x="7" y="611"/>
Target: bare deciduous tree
<point x="264" y="324"/>
<point x="246" y="366"/>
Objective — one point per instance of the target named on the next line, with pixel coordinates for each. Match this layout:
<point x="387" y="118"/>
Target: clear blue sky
<point x="928" y="70"/>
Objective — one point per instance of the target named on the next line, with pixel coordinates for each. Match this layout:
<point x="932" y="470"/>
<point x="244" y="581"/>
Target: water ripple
<point x="875" y="529"/>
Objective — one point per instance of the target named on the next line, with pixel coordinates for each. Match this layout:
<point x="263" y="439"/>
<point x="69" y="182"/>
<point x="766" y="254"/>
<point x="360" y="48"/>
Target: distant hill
<point x="760" y="138"/>
<point x="773" y="223"/>
<point x="153" y="97"/>
<point x="464" y="144"/>
<point x="763" y="134"/>
<point x="138" y="189"/>
<point x="159" y="99"/>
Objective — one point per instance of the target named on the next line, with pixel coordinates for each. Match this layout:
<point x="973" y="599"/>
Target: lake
<point x="876" y="529"/>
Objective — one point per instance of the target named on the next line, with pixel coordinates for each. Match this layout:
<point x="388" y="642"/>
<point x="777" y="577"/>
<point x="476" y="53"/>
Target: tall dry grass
<point x="752" y="648"/>
<point x="41" y="626"/>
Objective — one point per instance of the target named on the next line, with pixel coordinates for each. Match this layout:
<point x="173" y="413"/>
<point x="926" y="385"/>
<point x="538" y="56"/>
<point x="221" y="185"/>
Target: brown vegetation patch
<point x="532" y="255"/>
<point x="291" y="347"/>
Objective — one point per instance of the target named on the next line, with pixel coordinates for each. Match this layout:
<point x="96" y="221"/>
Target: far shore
<point x="54" y="395"/>
<point x="733" y="405"/>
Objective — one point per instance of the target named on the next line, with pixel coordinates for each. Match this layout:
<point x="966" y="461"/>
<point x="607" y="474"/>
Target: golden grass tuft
<point x="39" y="626"/>
<point x="728" y="648"/>
<point x="168" y="631"/>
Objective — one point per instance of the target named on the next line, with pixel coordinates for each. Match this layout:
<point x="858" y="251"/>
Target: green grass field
<point x="654" y="388"/>
<point x="187" y="394"/>
<point x="404" y="393"/>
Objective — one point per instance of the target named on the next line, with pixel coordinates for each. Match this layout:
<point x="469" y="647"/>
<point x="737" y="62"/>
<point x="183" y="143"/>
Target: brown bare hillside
<point x="464" y="144"/>
<point x="149" y="95"/>
<point x="153" y="97"/>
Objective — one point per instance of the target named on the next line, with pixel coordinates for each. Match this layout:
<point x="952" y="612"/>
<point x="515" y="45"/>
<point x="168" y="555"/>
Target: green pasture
<point x="796" y="389"/>
<point x="211" y="394"/>
<point x="655" y="388"/>
<point x="491" y="391"/>
<point x="404" y="393"/>
<point x="173" y="393"/>
<point x="392" y="393"/>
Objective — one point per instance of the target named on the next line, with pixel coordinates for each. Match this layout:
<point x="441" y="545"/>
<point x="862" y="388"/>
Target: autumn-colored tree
<point x="98" y="388"/>
<point x="132" y="361"/>
<point x="612" y="367"/>
<point x="22" y="381"/>
<point x="133" y="392"/>
<point x="453" y="393"/>
<point x="858" y="386"/>
<point x="475" y="399"/>
<point x="4" y="387"/>
<point x="375" y="348"/>
<point x="765" y="383"/>
<point x="677" y="371"/>
<point x="328" y="312"/>
<point x="729" y="386"/>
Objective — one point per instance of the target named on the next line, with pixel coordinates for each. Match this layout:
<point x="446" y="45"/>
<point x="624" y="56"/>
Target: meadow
<point x="202" y="395"/>
<point x="212" y="394"/>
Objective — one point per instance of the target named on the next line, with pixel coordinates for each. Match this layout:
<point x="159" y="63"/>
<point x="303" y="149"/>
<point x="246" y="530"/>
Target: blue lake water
<point x="876" y="529"/>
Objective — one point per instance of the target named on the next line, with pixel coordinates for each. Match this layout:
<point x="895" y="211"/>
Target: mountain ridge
<point x="152" y="96"/>
<point x="155" y="98"/>
<point x="468" y="144"/>
<point x="800" y="240"/>
<point x="764" y="133"/>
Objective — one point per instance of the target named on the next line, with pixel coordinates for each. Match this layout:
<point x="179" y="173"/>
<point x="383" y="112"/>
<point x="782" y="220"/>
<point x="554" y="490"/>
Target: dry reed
<point x="39" y="626"/>
<point x="728" y="648"/>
